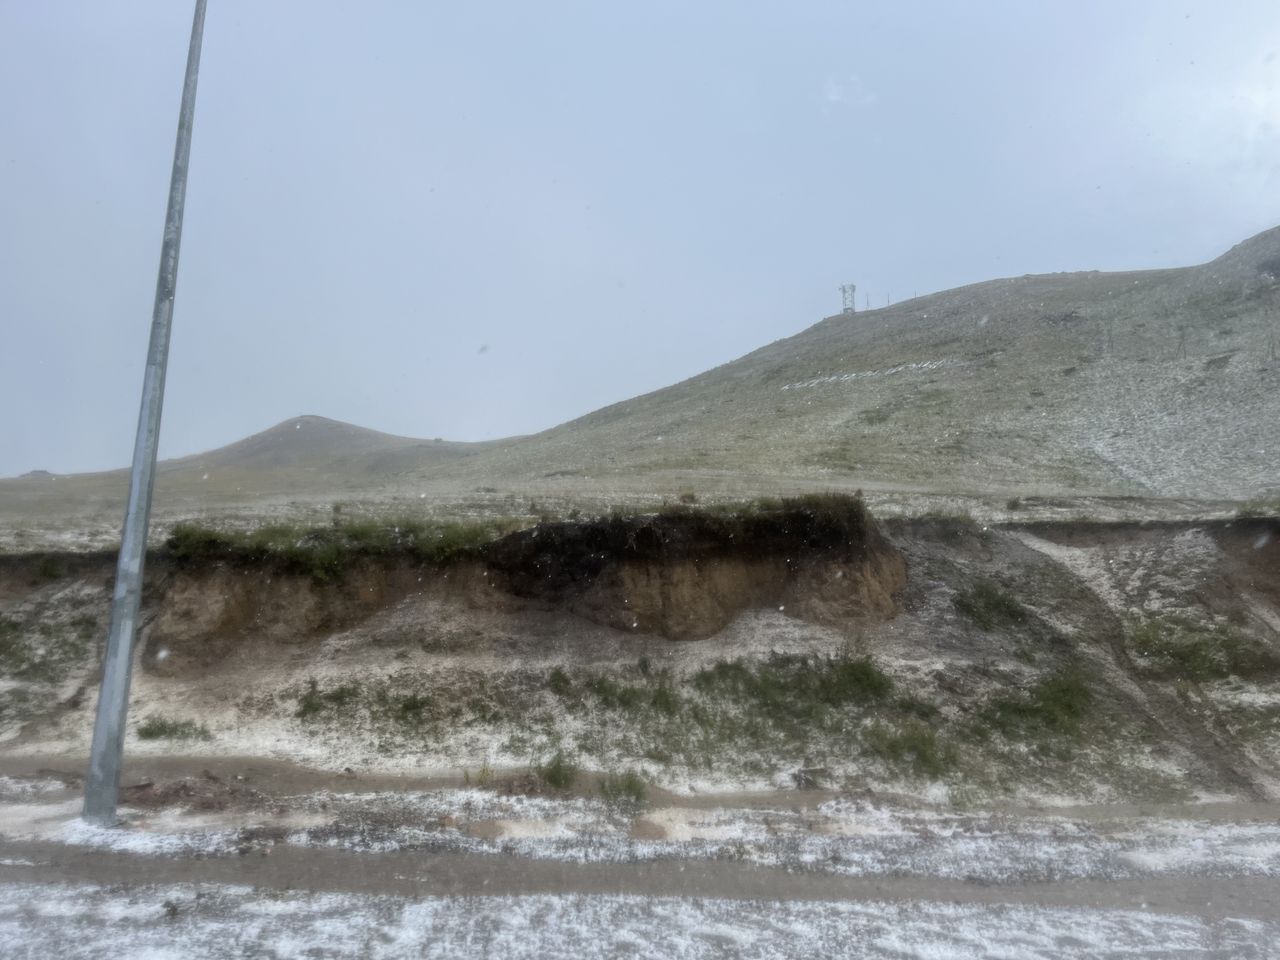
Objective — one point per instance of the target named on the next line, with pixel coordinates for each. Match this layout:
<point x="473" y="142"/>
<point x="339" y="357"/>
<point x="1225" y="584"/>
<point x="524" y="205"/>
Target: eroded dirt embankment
<point x="1091" y="660"/>
<point x="678" y="575"/>
<point x="686" y="575"/>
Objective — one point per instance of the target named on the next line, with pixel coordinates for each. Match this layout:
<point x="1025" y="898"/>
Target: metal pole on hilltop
<point x="102" y="786"/>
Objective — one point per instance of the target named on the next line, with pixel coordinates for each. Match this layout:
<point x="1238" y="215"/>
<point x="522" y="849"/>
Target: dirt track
<point x="411" y="874"/>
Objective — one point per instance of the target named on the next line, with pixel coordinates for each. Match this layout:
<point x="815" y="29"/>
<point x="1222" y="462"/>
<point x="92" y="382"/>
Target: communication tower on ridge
<point x="849" y="296"/>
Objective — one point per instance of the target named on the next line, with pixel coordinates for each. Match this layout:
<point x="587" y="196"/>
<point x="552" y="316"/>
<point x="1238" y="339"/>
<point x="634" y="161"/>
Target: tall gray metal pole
<point x="102" y="787"/>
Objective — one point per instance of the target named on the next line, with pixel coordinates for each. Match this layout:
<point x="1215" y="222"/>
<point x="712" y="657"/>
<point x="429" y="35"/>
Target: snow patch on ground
<point x="214" y="921"/>
<point x="1149" y="578"/>
<point x="851" y="838"/>
<point x="1087" y="563"/>
<point x="15" y="788"/>
<point x="920" y="366"/>
<point x="839" y="836"/>
<point x="1237" y="693"/>
<point x="147" y="843"/>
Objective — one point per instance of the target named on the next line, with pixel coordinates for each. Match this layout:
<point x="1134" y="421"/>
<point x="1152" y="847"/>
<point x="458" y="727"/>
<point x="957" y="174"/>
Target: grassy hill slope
<point x="1156" y="382"/>
<point x="1161" y="383"/>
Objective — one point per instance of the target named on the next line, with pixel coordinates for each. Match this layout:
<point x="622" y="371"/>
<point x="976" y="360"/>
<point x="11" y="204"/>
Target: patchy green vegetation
<point x="49" y="568"/>
<point x="1259" y="507"/>
<point x="612" y="695"/>
<point x="405" y="708"/>
<point x="1252" y="722"/>
<point x="624" y="788"/>
<point x="42" y="649"/>
<point x="11" y="652"/>
<point x="795" y="687"/>
<point x="913" y="744"/>
<point x="764" y="716"/>
<point x="830" y="720"/>
<point x="784" y="686"/>
<point x="326" y="552"/>
<point x="157" y="727"/>
<point x="483" y="777"/>
<point x="756" y="717"/>
<point x="815" y="522"/>
<point x="558" y="773"/>
<point x="1057" y="704"/>
<point x="558" y="682"/>
<point x="1182" y="649"/>
<point x="989" y="606"/>
<point x="313" y="701"/>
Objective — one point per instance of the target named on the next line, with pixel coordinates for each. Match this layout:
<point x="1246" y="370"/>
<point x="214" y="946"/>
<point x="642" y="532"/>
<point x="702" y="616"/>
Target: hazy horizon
<point x="482" y="222"/>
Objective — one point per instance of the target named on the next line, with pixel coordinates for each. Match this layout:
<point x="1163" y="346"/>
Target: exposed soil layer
<point x="1091" y="662"/>
<point x="686" y="574"/>
<point x="679" y="575"/>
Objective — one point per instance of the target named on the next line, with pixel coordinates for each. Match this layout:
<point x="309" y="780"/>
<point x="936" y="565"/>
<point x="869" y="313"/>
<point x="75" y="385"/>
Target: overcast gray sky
<point x="481" y="219"/>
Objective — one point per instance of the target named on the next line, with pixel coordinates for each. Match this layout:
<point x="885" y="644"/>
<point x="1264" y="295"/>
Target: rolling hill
<point x="1161" y="383"/>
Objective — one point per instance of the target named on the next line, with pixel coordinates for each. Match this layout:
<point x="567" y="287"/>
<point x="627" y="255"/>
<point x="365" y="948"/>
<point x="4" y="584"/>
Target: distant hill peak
<point x="303" y="440"/>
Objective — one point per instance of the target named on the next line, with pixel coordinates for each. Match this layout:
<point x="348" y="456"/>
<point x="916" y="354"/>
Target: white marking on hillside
<point x="1087" y="563"/>
<point x="1141" y="577"/>
<point x="917" y="367"/>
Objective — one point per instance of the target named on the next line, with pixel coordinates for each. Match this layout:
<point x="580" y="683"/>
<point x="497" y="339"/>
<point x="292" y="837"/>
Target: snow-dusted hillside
<point x="1151" y="384"/>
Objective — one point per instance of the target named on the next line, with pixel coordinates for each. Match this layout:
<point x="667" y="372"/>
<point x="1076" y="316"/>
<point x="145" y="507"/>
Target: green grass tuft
<point x="794" y="686"/>
<point x="1056" y="705"/>
<point x="1260" y="507"/>
<point x="49" y="568"/>
<point x="1179" y="648"/>
<point x="42" y="651"/>
<point x="484" y="776"/>
<point x="614" y="695"/>
<point x="558" y="682"/>
<point x="325" y="553"/>
<point x="913" y="744"/>
<point x="559" y="772"/>
<point x="410" y="708"/>
<point x="314" y="701"/>
<point x="624" y="788"/>
<point x="156" y="727"/>
<point x="989" y="606"/>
